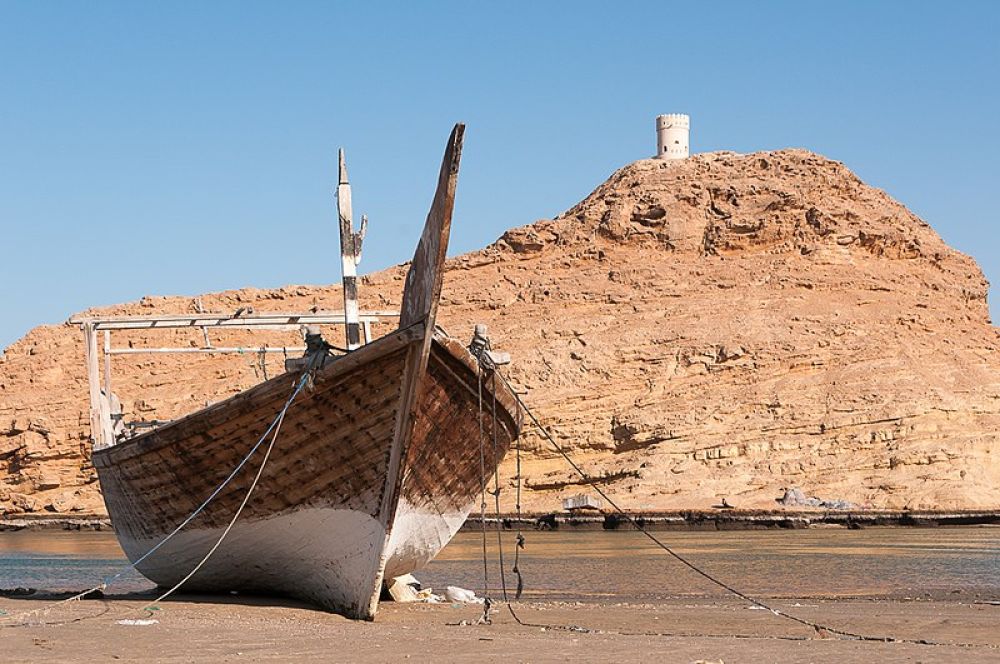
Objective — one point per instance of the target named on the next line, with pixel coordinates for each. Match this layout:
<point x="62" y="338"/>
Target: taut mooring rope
<point x="485" y="618"/>
<point x="818" y="627"/>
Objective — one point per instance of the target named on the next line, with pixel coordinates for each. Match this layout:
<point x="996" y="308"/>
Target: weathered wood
<point x="420" y="300"/>
<point x="100" y="414"/>
<point x="107" y="363"/>
<point x="213" y="350"/>
<point x="200" y="308"/>
<point x="441" y="468"/>
<point x="93" y="382"/>
<point x="350" y="254"/>
<point x="426" y="274"/>
<point x="330" y="459"/>
<point x="249" y="401"/>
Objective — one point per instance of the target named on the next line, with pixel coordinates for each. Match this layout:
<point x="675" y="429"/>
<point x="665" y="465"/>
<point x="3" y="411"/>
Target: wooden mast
<point x="350" y="253"/>
<point x="420" y="304"/>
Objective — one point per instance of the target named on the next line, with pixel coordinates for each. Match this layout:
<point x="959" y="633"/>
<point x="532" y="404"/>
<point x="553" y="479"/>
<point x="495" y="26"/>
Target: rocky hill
<point x="723" y="326"/>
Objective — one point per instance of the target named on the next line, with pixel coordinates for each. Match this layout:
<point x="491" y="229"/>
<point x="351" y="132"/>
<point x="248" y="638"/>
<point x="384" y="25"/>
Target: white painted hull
<point x="323" y="556"/>
<point x="418" y="535"/>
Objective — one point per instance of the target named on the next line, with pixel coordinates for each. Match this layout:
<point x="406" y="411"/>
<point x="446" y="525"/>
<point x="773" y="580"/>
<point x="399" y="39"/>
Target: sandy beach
<point x="632" y="602"/>
<point x="194" y="629"/>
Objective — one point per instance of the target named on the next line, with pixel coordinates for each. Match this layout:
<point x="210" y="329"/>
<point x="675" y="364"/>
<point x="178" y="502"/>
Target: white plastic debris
<point x="141" y="622"/>
<point x="407" y="589"/>
<point x="461" y="595"/>
<point x="428" y="596"/>
<point x="403" y="588"/>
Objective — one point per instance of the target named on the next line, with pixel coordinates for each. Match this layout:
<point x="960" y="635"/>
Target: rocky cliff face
<point x="727" y="325"/>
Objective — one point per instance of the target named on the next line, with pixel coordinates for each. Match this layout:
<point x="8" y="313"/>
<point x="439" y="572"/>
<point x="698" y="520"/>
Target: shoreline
<point x="676" y="520"/>
<point x="35" y="522"/>
<point x="731" y="519"/>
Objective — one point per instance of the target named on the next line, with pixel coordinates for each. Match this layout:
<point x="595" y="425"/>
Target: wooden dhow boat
<point x="378" y="462"/>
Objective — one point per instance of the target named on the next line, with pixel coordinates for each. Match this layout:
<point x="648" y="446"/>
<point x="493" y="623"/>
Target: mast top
<point x="424" y="279"/>
<point x="343" y="166"/>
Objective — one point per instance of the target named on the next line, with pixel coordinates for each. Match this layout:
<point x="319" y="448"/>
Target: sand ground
<point x="194" y="629"/>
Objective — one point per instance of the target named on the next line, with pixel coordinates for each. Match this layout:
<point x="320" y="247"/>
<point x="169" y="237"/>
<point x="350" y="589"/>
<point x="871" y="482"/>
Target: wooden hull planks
<point x="441" y="476"/>
<point x="312" y="529"/>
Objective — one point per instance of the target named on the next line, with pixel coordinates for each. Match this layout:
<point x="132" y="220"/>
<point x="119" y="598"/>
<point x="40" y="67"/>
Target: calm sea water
<point x="620" y="566"/>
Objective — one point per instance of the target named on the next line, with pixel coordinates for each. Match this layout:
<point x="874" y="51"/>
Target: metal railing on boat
<point x="101" y="417"/>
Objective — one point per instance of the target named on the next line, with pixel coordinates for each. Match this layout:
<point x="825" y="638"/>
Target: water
<point x="61" y="561"/>
<point x="875" y="562"/>
<point x="621" y="566"/>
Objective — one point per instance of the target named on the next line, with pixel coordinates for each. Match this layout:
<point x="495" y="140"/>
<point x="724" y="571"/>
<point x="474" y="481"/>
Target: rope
<point x="820" y="628"/>
<point x="101" y="587"/>
<point x="496" y="488"/>
<point x="519" y="541"/>
<point x="246" y="498"/>
<point x="485" y="618"/>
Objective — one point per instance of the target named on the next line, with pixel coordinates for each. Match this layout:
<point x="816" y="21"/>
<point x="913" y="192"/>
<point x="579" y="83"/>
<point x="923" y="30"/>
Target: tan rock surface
<point x="728" y="325"/>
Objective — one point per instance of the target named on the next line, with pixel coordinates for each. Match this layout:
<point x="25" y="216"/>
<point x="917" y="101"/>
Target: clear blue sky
<point x="176" y="148"/>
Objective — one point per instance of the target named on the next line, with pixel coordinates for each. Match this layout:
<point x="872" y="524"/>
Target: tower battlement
<point x="673" y="131"/>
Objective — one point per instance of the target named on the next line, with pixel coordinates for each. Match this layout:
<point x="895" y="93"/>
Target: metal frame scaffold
<point x="101" y="425"/>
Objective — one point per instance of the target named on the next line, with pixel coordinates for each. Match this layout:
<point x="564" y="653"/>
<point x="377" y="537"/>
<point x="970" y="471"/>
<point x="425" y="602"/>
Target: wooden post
<point x="107" y="363"/>
<point x="94" y="382"/>
<point x="350" y="254"/>
<point x="426" y="275"/>
<point x="204" y="330"/>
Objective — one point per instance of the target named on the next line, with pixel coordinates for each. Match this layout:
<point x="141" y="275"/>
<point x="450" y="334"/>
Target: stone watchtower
<point x="672" y="132"/>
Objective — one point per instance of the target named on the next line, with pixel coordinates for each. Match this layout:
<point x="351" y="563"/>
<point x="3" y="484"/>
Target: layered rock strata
<point x="722" y="326"/>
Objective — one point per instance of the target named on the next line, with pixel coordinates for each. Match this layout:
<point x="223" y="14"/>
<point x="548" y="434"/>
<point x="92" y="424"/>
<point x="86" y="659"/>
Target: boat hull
<point x="314" y="527"/>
